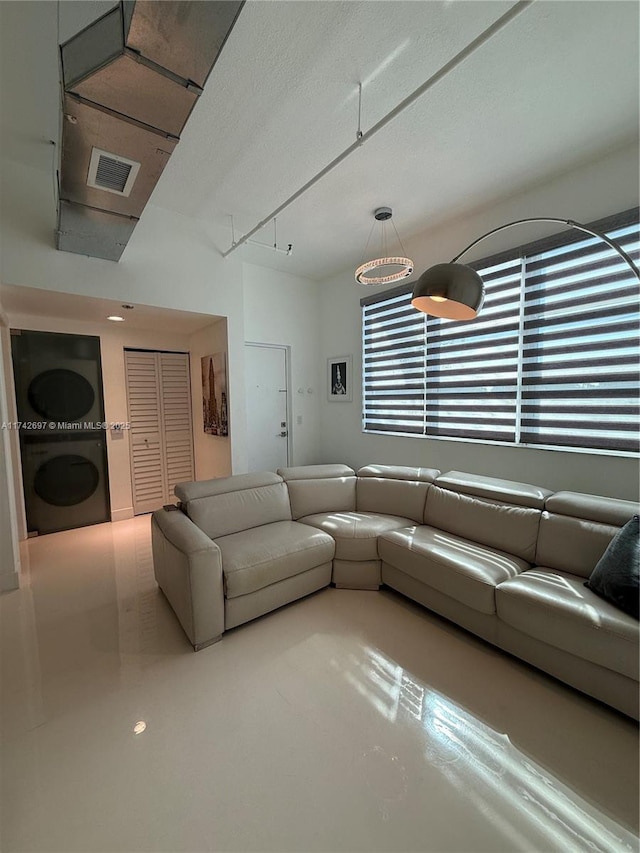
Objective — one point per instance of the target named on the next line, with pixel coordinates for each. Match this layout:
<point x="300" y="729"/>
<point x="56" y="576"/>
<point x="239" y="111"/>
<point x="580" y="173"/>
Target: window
<point x="552" y="359"/>
<point x="394" y="366"/>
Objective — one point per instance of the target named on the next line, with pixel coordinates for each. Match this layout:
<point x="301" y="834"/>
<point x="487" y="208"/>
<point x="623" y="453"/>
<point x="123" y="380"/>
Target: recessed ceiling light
<point x="116" y="319"/>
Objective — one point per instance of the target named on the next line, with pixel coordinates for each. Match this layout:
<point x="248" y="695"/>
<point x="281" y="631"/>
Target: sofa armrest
<point x="188" y="568"/>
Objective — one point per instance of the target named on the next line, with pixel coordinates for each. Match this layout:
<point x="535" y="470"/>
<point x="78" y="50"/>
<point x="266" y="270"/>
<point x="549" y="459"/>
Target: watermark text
<point x="46" y="426"/>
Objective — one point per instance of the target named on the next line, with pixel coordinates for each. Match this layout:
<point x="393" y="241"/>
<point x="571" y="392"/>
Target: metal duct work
<point x="130" y="82"/>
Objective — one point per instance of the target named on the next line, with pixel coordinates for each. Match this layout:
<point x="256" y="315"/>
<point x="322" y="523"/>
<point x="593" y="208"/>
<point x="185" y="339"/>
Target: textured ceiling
<point x="557" y="87"/>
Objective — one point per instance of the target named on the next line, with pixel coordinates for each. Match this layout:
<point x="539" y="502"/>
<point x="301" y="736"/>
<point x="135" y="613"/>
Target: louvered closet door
<point x="161" y="443"/>
<point x="147" y="459"/>
<point x="176" y="419"/>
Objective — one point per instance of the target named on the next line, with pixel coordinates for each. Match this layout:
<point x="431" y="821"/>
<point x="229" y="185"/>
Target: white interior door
<point x="267" y="398"/>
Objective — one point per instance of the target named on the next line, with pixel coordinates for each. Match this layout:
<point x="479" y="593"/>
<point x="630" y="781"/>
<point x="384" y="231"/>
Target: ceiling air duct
<point x="130" y="81"/>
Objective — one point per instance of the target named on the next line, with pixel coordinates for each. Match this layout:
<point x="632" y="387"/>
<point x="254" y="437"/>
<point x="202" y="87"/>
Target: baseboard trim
<point x="122" y="514"/>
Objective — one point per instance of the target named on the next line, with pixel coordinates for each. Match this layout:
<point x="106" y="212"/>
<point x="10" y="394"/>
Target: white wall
<point x="280" y="308"/>
<point x="9" y="399"/>
<point x="170" y="261"/>
<point x="9" y="549"/>
<point x="595" y="190"/>
<point x="113" y="340"/>
<point x="212" y="452"/>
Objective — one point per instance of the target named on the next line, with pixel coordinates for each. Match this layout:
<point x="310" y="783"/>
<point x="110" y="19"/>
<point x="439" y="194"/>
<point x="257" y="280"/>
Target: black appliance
<point x="58" y="381"/>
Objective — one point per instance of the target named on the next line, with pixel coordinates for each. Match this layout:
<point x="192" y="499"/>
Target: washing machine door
<point x="65" y="482"/>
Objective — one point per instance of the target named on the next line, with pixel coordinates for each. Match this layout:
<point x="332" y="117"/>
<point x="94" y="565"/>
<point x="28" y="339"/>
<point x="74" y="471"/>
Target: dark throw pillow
<point x="615" y="577"/>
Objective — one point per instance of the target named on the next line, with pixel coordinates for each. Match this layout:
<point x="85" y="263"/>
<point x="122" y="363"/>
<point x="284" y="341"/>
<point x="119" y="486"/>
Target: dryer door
<point x="61" y="395"/>
<point x="58" y="379"/>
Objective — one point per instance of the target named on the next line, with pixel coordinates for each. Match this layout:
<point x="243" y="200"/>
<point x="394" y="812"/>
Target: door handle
<point x="282" y="434"/>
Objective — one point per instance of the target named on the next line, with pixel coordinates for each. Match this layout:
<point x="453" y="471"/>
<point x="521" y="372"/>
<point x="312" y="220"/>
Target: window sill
<point x="624" y="454"/>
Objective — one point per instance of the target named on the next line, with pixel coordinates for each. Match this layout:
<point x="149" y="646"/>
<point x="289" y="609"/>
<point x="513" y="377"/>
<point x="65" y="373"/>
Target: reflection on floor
<point x="350" y="721"/>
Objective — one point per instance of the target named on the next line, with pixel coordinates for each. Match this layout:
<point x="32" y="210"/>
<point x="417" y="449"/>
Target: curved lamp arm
<point x="455" y="291"/>
<point x="612" y="243"/>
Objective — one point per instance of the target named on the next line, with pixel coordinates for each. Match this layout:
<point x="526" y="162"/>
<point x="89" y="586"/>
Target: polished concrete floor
<point x="349" y="721"/>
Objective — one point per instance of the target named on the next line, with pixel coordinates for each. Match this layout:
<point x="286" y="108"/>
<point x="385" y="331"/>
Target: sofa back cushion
<point x="232" y="504"/>
<point x="494" y="488"/>
<point x="498" y="513"/>
<point x="394" y="490"/>
<point x="575" y="530"/>
<point x="320" y="488"/>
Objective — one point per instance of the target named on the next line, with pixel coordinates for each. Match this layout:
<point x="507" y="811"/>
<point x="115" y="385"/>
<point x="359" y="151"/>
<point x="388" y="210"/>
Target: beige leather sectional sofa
<point x="502" y="559"/>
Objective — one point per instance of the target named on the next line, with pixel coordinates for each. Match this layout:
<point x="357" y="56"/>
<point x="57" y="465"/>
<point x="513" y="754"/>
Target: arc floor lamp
<point x="455" y="291"/>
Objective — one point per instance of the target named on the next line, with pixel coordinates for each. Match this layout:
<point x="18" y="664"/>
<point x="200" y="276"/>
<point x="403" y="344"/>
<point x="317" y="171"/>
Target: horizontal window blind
<point x="552" y="359"/>
<point x="581" y="343"/>
<point x="472" y="367"/>
<point x="394" y="366"/>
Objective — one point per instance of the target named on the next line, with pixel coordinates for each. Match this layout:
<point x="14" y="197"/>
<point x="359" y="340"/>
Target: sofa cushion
<point x="356" y="533"/>
<point x="575" y="530"/>
<point x="572" y="545"/>
<point x="459" y="568"/>
<point x="394" y="490"/>
<point x="494" y="488"/>
<point x="616" y="577"/>
<point x="315" y="472"/>
<point x="186" y="492"/>
<point x="497" y="524"/>
<point x="399" y="472"/>
<point x="320" y="488"/>
<point x="256" y="558"/>
<point x="244" y="509"/>
<point x="592" y="507"/>
<point x="556" y="608"/>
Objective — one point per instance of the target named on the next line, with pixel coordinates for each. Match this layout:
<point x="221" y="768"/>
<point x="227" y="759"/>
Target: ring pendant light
<point x="405" y="265"/>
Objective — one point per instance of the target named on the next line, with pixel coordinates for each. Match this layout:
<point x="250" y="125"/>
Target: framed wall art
<point x="339" y="382"/>
<point x="214" y="394"/>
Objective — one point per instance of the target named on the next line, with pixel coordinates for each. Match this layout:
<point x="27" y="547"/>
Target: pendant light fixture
<point x="375" y="267"/>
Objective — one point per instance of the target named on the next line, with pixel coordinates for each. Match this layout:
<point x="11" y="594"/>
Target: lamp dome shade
<point x="451" y="291"/>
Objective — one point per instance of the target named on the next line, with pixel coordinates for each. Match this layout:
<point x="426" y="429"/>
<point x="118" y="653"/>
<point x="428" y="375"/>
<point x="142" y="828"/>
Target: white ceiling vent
<point x="111" y="172"/>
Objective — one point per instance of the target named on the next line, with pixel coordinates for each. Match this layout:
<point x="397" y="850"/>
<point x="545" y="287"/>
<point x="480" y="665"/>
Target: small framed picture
<point x="339" y="387"/>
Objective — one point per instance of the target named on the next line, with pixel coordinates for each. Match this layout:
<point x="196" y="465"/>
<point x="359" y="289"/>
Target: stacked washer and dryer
<point x="58" y="382"/>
